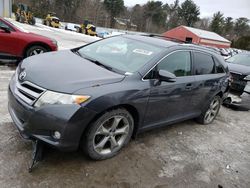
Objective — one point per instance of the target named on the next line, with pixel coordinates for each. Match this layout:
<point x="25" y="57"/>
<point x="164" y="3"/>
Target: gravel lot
<point x="182" y="155"/>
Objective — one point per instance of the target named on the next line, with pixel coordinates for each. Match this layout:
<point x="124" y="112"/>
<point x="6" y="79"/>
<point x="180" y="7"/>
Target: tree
<point x="137" y="15"/>
<point x="217" y="23"/>
<point x="154" y="14"/>
<point x="189" y="13"/>
<point x="203" y="23"/>
<point x="172" y="19"/>
<point x="241" y="26"/>
<point x="242" y="43"/>
<point x="114" y="7"/>
<point x="228" y="27"/>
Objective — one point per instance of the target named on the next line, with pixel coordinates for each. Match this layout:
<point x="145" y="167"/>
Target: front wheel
<point x="108" y="134"/>
<point x="211" y="111"/>
<point x="35" y="50"/>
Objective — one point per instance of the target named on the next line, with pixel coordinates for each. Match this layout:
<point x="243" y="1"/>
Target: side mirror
<point x="166" y="76"/>
<point x="5" y="29"/>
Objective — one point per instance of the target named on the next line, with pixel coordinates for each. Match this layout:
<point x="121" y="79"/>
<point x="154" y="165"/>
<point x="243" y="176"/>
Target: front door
<point x="170" y="101"/>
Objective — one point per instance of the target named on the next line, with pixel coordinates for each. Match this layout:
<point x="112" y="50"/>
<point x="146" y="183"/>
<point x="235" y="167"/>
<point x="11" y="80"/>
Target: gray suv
<point x="99" y="95"/>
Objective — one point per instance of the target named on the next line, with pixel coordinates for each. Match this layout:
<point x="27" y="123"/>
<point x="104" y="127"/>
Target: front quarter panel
<point x="131" y="91"/>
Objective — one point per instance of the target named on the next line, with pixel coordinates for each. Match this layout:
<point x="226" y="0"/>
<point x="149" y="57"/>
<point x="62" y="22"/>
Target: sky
<point x="232" y="8"/>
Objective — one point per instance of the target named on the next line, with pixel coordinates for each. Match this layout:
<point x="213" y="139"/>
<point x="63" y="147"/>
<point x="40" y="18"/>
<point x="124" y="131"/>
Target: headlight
<point x="50" y="97"/>
<point x="54" y="42"/>
<point x="247" y="78"/>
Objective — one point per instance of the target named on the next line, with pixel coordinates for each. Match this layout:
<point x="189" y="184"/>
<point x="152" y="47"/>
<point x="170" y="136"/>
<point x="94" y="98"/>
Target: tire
<point x="102" y="139"/>
<point x="32" y="21"/>
<point x="35" y="50"/>
<point x="17" y="17"/>
<point x="22" y="19"/>
<point x="211" y="111"/>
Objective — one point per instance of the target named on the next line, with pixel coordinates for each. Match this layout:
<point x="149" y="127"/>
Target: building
<point x="198" y="36"/>
<point x="5" y="8"/>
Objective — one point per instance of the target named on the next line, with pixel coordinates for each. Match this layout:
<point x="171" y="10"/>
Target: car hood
<point x="245" y="70"/>
<point x="65" y="72"/>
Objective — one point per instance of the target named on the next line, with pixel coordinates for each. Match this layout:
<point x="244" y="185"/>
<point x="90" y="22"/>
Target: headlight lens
<point x="247" y="78"/>
<point x="54" y="42"/>
<point x="50" y="97"/>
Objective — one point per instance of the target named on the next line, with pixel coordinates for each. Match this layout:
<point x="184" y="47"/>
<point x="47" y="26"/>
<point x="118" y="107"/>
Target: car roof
<point x="151" y="40"/>
<point x="161" y="41"/>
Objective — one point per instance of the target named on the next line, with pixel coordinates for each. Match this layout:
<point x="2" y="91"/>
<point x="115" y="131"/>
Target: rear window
<point x="203" y="64"/>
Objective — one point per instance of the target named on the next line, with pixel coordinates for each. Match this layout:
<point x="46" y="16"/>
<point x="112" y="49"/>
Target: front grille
<point x="28" y="92"/>
<point x="238" y="82"/>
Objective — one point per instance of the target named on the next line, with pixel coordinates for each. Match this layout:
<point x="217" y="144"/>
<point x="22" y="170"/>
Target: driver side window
<point x="178" y="63"/>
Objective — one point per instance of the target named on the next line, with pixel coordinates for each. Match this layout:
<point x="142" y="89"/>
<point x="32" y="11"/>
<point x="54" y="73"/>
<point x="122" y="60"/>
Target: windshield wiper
<point x="78" y="53"/>
<point x="98" y="63"/>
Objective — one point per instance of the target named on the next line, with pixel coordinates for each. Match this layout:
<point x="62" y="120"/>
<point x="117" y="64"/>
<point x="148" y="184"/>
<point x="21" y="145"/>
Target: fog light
<point x="57" y="135"/>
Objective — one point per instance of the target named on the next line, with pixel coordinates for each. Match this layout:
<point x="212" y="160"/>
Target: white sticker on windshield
<point x="141" y="51"/>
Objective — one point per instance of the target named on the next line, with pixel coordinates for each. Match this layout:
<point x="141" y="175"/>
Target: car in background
<point x="239" y="90"/>
<point x="103" y="34"/>
<point x="71" y="27"/>
<point x="16" y="43"/>
<point x="225" y="53"/>
<point x="97" y="96"/>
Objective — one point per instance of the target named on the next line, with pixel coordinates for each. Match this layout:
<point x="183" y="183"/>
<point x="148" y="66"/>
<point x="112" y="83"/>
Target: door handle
<point x="189" y="87"/>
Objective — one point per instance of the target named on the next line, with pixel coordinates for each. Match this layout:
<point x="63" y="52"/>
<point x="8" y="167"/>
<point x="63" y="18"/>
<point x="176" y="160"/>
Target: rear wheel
<point x="17" y="17"/>
<point x="35" y="50"/>
<point x="22" y="19"/>
<point x="32" y="21"/>
<point x="108" y="134"/>
<point x="211" y="111"/>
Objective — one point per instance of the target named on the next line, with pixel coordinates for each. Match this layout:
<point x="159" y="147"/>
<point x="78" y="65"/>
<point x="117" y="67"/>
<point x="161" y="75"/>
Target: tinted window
<point x="203" y="64"/>
<point x="178" y="63"/>
<point x="2" y="24"/>
<point x="219" y="67"/>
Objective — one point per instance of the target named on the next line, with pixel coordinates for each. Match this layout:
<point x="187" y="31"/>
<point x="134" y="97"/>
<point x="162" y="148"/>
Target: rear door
<point x="170" y="101"/>
<point x="208" y="79"/>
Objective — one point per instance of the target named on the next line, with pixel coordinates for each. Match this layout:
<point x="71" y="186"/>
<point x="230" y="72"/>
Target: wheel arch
<point x="36" y="44"/>
<point x="220" y="94"/>
<point x="130" y="108"/>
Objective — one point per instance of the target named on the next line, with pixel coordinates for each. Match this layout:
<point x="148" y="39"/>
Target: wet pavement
<point x="181" y="155"/>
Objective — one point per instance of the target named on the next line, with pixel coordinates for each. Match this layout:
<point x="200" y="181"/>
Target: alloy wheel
<point x="36" y="51"/>
<point x="111" y="135"/>
<point x="212" y="111"/>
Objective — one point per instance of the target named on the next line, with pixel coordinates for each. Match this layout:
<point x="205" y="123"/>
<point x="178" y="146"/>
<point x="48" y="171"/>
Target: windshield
<point x="241" y="59"/>
<point x="121" y="53"/>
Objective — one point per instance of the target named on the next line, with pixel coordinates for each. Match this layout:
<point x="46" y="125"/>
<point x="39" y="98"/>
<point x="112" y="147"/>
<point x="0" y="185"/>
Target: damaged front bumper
<point x="239" y="100"/>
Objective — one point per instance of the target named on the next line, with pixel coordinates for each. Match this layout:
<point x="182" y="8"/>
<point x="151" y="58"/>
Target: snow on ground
<point x="66" y="39"/>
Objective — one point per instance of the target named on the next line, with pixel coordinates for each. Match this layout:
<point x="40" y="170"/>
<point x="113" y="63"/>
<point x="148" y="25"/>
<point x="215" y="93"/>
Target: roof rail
<point x="182" y="42"/>
<point x="165" y="37"/>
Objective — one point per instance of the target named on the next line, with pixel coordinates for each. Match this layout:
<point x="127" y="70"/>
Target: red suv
<point x="16" y="44"/>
